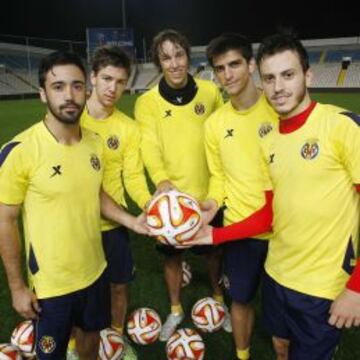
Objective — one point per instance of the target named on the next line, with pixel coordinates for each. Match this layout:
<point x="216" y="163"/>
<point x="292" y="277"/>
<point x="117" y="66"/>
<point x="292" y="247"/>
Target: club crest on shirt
<point x="264" y="129"/>
<point x="199" y="109"/>
<point x="95" y="162"/>
<point x="113" y="142"/>
<point x="47" y="344"/>
<point x="310" y="150"/>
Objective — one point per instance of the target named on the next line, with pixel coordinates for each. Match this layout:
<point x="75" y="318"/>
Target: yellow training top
<point x="124" y="166"/>
<point x="173" y="137"/>
<point x="58" y="186"/>
<point x="232" y="140"/>
<point x="316" y="206"/>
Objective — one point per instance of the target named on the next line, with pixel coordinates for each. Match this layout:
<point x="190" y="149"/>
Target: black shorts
<point x="118" y="255"/>
<point x="300" y="318"/>
<point x="243" y="268"/>
<point x="88" y="309"/>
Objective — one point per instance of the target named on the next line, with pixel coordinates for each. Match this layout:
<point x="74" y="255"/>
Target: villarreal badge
<point x="95" y="162"/>
<point x="310" y="150"/>
<point x="113" y="142"/>
<point x="264" y="129"/>
<point x="199" y="109"/>
<point x="47" y="344"/>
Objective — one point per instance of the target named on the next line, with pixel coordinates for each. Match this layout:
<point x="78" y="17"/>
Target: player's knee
<point x="173" y="262"/>
<point x="87" y="345"/>
<point x="281" y="347"/>
<point x="118" y="290"/>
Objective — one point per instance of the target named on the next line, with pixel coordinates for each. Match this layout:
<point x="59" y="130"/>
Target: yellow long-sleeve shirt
<point x="173" y="137"/>
<point x="232" y="141"/>
<point x="124" y="166"/>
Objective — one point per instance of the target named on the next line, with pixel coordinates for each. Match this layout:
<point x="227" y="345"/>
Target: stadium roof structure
<point x="343" y="42"/>
<point x="18" y="49"/>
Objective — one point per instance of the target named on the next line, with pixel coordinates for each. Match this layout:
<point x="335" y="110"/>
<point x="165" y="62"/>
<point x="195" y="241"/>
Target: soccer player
<point x="111" y="68"/>
<point x="53" y="172"/>
<point x="232" y="140"/>
<point x="171" y="116"/>
<point x="312" y="284"/>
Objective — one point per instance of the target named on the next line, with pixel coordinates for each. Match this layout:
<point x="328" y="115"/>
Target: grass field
<point x="149" y="288"/>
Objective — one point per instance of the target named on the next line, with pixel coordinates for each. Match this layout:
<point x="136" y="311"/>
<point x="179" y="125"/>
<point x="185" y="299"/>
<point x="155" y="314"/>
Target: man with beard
<point x="314" y="167"/>
<point x="53" y="172"/>
<point x="171" y="117"/>
<point x="312" y="285"/>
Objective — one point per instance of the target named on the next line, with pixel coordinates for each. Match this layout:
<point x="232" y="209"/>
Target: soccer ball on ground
<point x="112" y="346"/>
<point x="208" y="314"/>
<point x="186" y="274"/>
<point x="9" y="352"/>
<point x="185" y="344"/>
<point x="23" y="338"/>
<point x="174" y="217"/>
<point x="144" y="326"/>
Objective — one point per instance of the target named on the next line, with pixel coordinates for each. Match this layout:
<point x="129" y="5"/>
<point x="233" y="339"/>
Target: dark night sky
<point x="200" y="20"/>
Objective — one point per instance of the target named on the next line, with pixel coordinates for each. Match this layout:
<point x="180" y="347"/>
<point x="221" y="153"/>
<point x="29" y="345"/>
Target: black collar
<point x="178" y="96"/>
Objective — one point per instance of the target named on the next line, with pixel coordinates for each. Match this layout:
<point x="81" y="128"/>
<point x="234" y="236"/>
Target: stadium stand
<point x="19" y="63"/>
<point x="132" y="78"/>
<point x="338" y="55"/>
<point x="18" y="68"/>
<point x="198" y="61"/>
<point x="13" y="83"/>
<point x="314" y="57"/>
<point x="352" y="78"/>
<point x="325" y="75"/>
<point x="146" y="75"/>
<point x="206" y="74"/>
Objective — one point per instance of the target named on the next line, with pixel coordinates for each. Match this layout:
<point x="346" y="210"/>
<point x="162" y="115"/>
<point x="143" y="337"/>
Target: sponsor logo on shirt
<point x="113" y="142"/>
<point x="310" y="150"/>
<point x="264" y="129"/>
<point x="47" y="344"/>
<point x="56" y="170"/>
<point x="167" y="113"/>
<point x="229" y="133"/>
<point x="199" y="109"/>
<point x="95" y="162"/>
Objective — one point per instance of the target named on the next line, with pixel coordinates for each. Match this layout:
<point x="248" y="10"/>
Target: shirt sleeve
<point x="219" y="101"/>
<point x="14" y="173"/>
<point x="354" y="281"/>
<point x="216" y="189"/>
<point x="151" y="151"/>
<point x="346" y="137"/>
<point x="133" y="173"/>
<point x="255" y="224"/>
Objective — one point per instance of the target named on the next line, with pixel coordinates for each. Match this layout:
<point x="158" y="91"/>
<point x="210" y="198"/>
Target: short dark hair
<point x="226" y="42"/>
<point x="110" y="55"/>
<point x="280" y="42"/>
<point x="59" y="58"/>
<point x="170" y="35"/>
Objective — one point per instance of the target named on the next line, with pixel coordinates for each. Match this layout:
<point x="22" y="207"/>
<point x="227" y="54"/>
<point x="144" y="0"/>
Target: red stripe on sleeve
<point x="257" y="223"/>
<point x="354" y="281"/>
